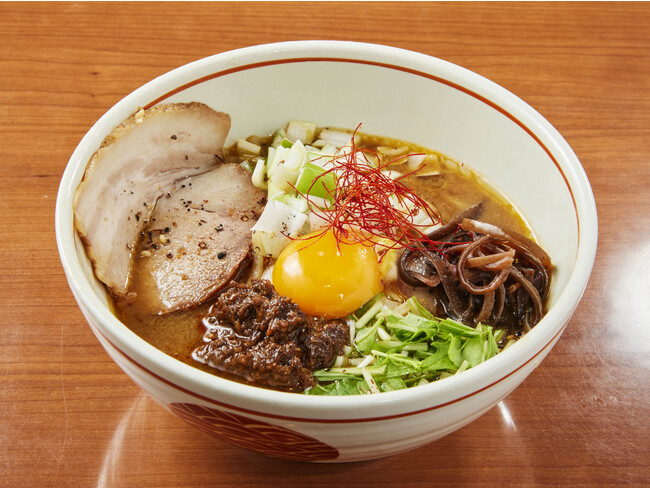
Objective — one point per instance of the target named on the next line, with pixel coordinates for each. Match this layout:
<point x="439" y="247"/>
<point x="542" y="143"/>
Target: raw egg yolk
<point x="326" y="277"/>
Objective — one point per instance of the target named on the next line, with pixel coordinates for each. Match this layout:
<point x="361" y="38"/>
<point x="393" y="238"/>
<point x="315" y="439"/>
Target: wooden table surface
<point x="70" y="417"/>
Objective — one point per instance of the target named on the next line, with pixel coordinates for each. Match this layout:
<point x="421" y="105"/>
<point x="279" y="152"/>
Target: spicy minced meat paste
<point x="265" y="338"/>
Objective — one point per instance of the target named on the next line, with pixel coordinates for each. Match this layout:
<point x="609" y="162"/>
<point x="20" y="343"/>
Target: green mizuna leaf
<point x="399" y="351"/>
<point x="367" y="337"/>
<point x="438" y="360"/>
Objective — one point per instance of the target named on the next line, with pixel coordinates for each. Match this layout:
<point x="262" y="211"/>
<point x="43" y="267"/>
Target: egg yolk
<point x="326" y="277"/>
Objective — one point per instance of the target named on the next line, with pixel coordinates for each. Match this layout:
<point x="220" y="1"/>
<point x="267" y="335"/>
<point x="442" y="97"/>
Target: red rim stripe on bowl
<point x="437" y="79"/>
<point x="324" y="421"/>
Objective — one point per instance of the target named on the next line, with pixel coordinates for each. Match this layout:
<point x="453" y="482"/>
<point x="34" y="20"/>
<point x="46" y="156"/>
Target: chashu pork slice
<point x="197" y="241"/>
<point x="133" y="167"/>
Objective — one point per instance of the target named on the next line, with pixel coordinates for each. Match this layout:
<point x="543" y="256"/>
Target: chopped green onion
<point x="337" y="138"/>
<point x="259" y="175"/>
<point x="279" y="137"/>
<point x="247" y="147"/>
<point x="314" y="181"/>
<point x="303" y="131"/>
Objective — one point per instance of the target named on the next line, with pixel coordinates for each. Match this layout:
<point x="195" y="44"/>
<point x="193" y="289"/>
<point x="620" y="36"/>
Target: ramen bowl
<point x="394" y="93"/>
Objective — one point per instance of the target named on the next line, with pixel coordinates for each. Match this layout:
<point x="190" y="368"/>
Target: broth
<point x="451" y="186"/>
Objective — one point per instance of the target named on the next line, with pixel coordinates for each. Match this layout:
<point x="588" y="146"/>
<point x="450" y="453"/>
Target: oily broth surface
<point x="451" y="186"/>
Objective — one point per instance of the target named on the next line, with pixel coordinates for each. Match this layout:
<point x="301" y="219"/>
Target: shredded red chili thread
<point x="362" y="210"/>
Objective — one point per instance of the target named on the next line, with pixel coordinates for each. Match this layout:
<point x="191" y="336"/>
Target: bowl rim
<point x="238" y="396"/>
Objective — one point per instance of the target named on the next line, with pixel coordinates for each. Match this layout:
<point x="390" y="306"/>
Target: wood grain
<point x="70" y="417"/>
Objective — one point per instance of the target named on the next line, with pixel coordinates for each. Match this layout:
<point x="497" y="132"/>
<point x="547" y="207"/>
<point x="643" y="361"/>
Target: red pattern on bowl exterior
<point x="256" y="435"/>
<point x="395" y="93"/>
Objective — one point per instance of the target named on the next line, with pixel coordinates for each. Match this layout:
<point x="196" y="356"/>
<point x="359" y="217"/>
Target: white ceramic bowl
<point x="395" y="93"/>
